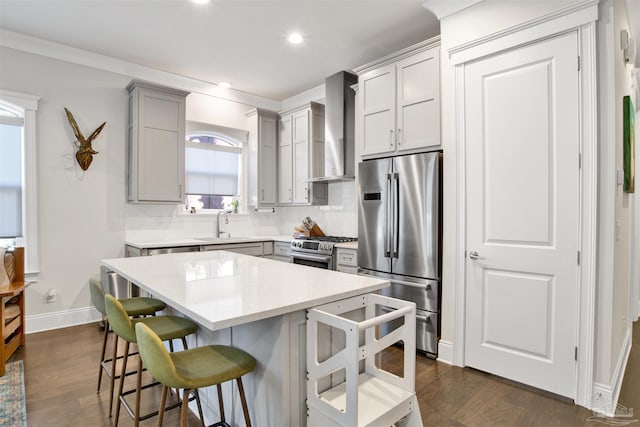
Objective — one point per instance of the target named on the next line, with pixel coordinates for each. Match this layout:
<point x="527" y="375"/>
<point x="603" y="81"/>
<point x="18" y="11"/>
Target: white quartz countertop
<point x="173" y="242"/>
<point x="220" y="289"/>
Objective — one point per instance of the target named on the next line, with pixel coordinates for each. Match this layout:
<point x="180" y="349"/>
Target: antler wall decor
<point x="85" y="152"/>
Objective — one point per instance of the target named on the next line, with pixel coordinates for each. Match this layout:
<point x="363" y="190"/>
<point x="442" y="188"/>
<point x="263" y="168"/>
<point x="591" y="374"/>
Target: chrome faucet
<point x="226" y="221"/>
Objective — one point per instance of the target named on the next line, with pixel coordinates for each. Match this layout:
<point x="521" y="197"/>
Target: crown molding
<point x="563" y="19"/>
<point x="399" y="55"/>
<point x="443" y="8"/>
<point x="315" y="94"/>
<point x="37" y="46"/>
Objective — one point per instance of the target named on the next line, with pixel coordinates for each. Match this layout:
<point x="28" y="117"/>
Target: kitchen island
<point x="254" y="304"/>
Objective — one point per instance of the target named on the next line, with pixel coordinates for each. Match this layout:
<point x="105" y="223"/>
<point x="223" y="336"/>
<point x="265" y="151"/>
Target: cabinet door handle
<point x="290" y="195"/>
<point x="391" y="138"/>
<point x="180" y="191"/>
<point x="262" y="195"/>
<point x="399" y="136"/>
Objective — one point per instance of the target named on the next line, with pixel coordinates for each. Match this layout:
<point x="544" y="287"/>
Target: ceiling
<point x="240" y="41"/>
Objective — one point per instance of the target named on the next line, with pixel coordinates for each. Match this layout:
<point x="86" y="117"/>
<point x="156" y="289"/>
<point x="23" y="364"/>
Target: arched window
<point x="213" y="170"/>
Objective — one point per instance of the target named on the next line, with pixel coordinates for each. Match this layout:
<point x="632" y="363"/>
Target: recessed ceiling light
<point x="201" y="1"/>
<point x="295" y="38"/>
<point x="225" y="85"/>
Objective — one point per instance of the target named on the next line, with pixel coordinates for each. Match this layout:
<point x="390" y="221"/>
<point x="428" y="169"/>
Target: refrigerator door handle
<point x="396" y="214"/>
<point x="387" y="230"/>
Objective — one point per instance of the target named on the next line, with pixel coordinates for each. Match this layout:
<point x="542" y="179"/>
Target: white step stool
<point x="374" y="397"/>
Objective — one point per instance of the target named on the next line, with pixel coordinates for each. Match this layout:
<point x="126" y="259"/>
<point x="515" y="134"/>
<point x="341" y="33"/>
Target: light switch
<point x="619" y="176"/>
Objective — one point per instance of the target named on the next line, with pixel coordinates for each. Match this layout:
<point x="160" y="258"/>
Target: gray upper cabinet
<point x="301" y="156"/>
<point x="399" y="102"/>
<point x="285" y="160"/>
<point x="262" y="169"/>
<point x="156" y="137"/>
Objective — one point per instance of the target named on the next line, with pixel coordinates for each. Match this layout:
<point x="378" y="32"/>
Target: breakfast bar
<point x="252" y="303"/>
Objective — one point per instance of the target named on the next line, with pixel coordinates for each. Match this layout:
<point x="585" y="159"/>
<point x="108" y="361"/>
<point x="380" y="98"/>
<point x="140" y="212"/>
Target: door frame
<point x="580" y="18"/>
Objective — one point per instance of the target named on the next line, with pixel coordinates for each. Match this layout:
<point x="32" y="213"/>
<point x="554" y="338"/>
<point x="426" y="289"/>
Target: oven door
<point x="312" y="260"/>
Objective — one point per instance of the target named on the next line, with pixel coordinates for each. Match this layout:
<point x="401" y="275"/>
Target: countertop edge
<point x="190" y="241"/>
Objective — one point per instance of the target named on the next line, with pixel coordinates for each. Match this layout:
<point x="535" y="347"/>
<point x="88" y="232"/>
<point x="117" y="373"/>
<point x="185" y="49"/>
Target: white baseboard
<point x="605" y="396"/>
<point x="445" y="352"/>
<point x="61" y="319"/>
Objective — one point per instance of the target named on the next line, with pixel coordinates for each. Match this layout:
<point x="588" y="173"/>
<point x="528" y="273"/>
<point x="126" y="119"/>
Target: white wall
<point x="81" y="214"/>
<point x="621" y="322"/>
<point x="338" y="218"/>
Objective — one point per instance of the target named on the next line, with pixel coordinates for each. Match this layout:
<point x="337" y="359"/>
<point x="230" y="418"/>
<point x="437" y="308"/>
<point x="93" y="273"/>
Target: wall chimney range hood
<point x="339" y="128"/>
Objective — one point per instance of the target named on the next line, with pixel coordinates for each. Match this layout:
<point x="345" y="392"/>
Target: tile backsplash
<point x="338" y="218"/>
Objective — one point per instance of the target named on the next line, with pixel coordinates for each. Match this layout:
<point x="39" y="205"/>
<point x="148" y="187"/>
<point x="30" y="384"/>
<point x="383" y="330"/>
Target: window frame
<point x="27" y="106"/>
<point x="238" y="137"/>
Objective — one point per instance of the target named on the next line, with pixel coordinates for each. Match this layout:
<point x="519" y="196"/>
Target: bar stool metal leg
<point x="221" y="403"/>
<point x="113" y="373"/>
<point x="199" y="404"/>
<point x="102" y="353"/>
<point x="245" y="409"/>
<point x="122" y="377"/>
<point x="138" y="390"/>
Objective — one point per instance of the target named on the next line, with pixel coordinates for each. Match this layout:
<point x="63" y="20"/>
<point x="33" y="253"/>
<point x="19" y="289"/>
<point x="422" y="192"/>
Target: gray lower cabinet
<point x="281" y="251"/>
<point x="253" y="248"/>
<point x="347" y="260"/>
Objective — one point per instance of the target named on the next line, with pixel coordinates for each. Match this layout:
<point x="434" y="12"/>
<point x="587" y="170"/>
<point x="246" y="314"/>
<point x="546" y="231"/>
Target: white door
<point x="522" y="151"/>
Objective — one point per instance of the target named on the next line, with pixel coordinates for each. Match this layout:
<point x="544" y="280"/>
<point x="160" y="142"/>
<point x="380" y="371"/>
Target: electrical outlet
<point x="51" y="296"/>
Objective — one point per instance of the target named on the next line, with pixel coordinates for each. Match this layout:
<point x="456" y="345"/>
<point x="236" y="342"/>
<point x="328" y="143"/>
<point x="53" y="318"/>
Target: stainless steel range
<point x="316" y="251"/>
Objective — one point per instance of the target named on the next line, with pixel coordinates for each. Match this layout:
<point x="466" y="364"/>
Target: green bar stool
<point x="192" y="369"/>
<point x="166" y="327"/>
<point x="134" y="307"/>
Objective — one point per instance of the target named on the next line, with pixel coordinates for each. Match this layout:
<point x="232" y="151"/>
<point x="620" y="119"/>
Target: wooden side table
<point x="12" y="327"/>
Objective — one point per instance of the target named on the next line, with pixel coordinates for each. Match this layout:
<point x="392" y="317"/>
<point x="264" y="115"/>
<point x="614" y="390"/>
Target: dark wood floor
<point x="61" y="372"/>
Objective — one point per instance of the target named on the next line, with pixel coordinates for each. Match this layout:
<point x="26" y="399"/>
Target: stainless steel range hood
<point x="339" y="128"/>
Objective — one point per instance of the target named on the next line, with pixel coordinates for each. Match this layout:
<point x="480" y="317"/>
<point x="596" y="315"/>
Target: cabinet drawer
<point x="347" y="257"/>
<point x="281" y="249"/>
<point x="254" y="249"/>
<point x="267" y="248"/>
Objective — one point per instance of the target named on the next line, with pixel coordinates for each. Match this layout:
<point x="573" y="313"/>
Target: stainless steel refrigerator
<point x="399" y="229"/>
